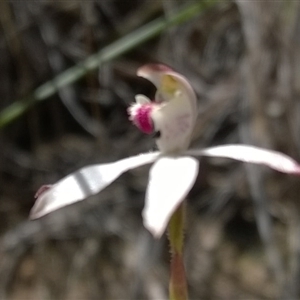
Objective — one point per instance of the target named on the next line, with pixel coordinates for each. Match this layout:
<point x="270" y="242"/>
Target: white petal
<point x="171" y="178"/>
<point x="85" y="182"/>
<point x="142" y="99"/>
<point x="251" y="154"/>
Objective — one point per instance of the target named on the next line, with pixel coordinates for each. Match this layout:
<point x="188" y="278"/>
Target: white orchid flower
<point x="171" y="116"/>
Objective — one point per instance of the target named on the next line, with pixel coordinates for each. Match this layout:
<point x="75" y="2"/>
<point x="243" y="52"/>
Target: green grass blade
<point x="106" y="54"/>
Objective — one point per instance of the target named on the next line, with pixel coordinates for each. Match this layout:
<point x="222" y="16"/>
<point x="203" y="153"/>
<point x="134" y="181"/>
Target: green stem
<point x="108" y="53"/>
<point x="178" y="284"/>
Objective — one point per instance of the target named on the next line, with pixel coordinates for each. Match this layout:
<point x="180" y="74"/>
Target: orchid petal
<point x="84" y="183"/>
<point x="142" y="99"/>
<point x="251" y="154"/>
<point x="171" y="178"/>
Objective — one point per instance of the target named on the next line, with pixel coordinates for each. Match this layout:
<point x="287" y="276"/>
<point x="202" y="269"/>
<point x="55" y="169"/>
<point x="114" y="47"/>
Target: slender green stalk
<point x="106" y="54"/>
<point x="178" y="284"/>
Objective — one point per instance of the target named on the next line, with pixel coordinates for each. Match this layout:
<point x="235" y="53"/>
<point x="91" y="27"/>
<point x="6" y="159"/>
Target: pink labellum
<point x="140" y="115"/>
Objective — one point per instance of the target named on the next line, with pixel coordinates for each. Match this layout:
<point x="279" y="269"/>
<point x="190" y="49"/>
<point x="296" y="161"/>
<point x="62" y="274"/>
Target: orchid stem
<point x="178" y="284"/>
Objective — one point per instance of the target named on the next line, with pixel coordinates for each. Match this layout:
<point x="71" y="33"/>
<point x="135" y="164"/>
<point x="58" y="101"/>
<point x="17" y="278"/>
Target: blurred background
<point x="243" y="224"/>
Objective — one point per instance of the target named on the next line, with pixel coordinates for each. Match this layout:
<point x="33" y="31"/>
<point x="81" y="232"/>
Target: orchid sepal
<point x="251" y="154"/>
<point x="85" y="182"/>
